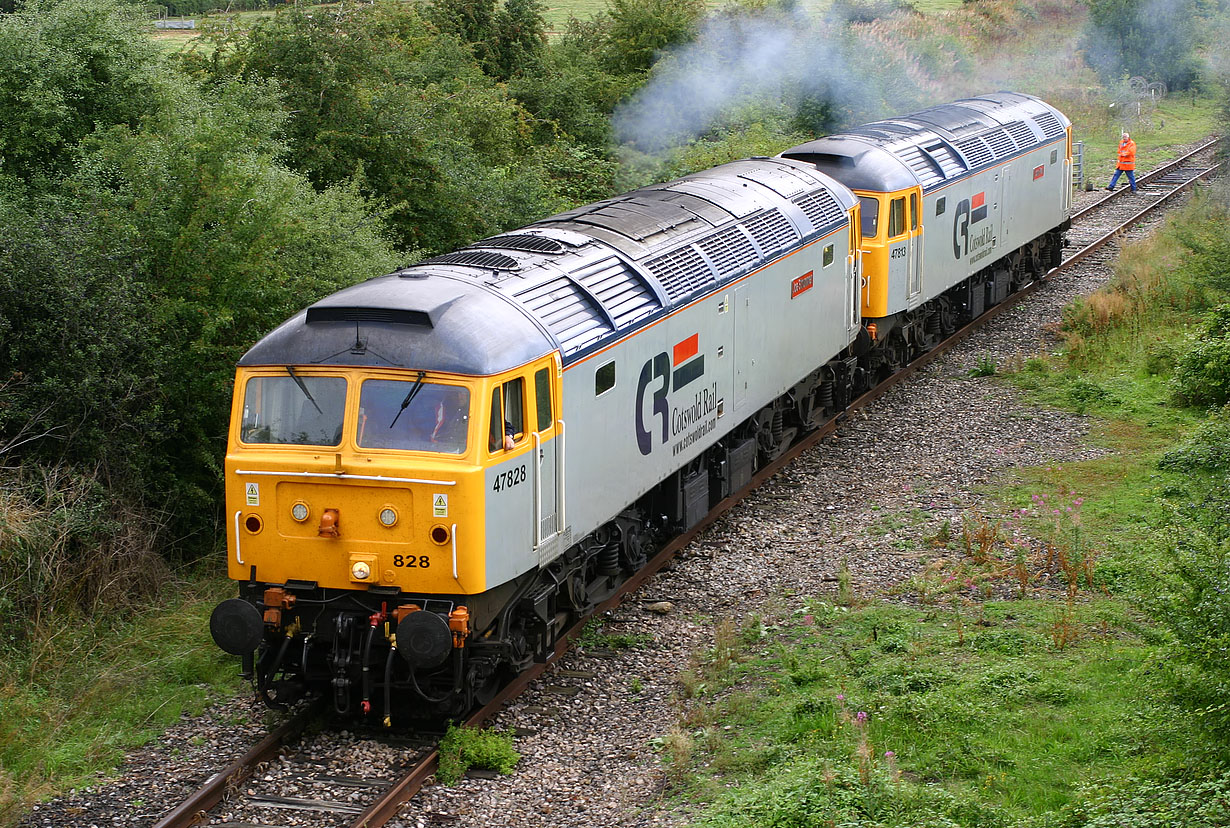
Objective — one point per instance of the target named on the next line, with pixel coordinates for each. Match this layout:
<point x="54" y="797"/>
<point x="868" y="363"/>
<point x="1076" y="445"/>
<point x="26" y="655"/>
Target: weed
<point x="594" y="637"/>
<point x="1064" y="630"/>
<point x="985" y="367"/>
<point x="677" y="748"/>
<point x="845" y="588"/>
<point x="463" y="748"/>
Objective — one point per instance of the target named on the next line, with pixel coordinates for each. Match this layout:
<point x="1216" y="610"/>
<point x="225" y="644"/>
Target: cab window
<point x="913" y="211"/>
<point x="869" y="209"/>
<point x="542" y="398"/>
<point x="896" y="217"/>
<point x="411" y="415"/>
<point x="293" y="410"/>
<point x="507" y="413"/>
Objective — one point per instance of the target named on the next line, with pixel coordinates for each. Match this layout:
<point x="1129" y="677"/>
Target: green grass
<point x="983" y="722"/>
<point x="1037" y="678"/>
<point x="99" y="688"/>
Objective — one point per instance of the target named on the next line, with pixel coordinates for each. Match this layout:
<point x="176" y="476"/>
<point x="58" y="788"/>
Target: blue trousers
<point x="1131" y="174"/>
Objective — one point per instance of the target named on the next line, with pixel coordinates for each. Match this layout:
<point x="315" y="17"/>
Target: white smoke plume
<point x="771" y="60"/>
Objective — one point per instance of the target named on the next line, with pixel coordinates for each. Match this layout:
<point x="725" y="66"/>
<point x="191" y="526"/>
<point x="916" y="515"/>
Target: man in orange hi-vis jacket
<point x="1127" y="162"/>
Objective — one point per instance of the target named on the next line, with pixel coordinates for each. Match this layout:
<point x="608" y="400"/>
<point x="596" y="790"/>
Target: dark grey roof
<point x="575" y="281"/>
<point x="934" y="146"/>
<point x="436" y="323"/>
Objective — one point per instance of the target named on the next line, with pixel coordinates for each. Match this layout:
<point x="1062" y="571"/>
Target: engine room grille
<point x="729" y="250"/>
<point x="681" y="272"/>
<point x="477" y="258"/>
<point x="976" y="150"/>
<point x="523" y="242"/>
<point x="772" y="231"/>
<point x="1051" y="127"/>
<point x="821" y="208"/>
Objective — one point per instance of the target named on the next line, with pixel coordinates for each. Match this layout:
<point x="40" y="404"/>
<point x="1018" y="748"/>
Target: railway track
<point x="361" y="780"/>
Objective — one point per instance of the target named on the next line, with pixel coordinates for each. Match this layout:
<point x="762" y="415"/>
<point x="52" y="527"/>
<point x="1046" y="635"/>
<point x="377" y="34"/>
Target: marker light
<point x="299" y="511"/>
<point x="360" y="570"/>
<point x="388" y="517"/>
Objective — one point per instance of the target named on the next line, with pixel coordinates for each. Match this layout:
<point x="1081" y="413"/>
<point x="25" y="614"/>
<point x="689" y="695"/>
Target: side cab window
<point x="896" y="217"/>
<point x="507" y="415"/>
<point x="542" y="398"/>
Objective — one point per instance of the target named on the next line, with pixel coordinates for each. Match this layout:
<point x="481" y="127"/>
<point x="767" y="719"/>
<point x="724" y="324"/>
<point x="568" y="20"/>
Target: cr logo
<point x="658" y="368"/>
<point x="960" y="229"/>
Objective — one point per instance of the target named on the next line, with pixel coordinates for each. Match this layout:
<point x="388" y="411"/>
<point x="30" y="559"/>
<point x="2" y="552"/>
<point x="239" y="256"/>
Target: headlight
<point x="388" y="516"/>
<point x="360" y="570"/>
<point x="299" y="511"/>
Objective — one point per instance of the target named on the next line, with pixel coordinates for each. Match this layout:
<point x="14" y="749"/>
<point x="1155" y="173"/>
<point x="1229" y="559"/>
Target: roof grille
<point x="923" y="166"/>
<point x="387" y="316"/>
<point x="949" y="163"/>
<point x="477" y="258"/>
<point x="681" y="272"/>
<point x="976" y="150"/>
<point x="728" y="250"/>
<point x="1022" y="134"/>
<point x="821" y="208"/>
<point x="771" y="231"/>
<point x="624" y="293"/>
<point x="523" y="242"/>
<point x="1000" y="143"/>
<point x="567" y="311"/>
<point x="1051" y="127"/>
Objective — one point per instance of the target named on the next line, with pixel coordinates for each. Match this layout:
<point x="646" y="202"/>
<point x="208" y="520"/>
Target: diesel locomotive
<point x="429" y="475"/>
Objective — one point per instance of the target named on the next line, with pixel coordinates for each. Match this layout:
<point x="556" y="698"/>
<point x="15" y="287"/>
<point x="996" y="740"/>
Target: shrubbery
<point x="1202" y="374"/>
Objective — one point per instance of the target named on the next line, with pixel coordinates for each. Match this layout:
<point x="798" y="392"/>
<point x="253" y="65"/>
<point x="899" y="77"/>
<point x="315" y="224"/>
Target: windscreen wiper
<point x="299" y="382"/>
<point x="418" y="384"/>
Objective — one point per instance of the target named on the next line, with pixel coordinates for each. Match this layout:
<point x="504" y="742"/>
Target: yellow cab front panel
<point x="329" y="479"/>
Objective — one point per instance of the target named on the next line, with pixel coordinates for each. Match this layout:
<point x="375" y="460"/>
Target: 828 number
<point x="412" y="561"/>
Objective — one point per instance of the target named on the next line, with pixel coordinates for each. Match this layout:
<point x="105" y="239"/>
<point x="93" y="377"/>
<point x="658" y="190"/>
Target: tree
<point x="67" y="67"/>
<point x="378" y="97"/>
<point x="642" y="28"/>
<point x="1158" y="41"/>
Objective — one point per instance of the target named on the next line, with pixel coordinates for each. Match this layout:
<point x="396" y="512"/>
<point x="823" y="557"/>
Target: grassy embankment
<point x="1035" y="678"/>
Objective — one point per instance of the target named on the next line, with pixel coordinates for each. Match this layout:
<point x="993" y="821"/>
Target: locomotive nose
<point x="236" y="626"/>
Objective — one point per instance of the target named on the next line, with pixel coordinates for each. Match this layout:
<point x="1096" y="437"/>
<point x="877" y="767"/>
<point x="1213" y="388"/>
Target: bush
<point x="1194" y="607"/>
<point x="1207" y="448"/>
<point x="1202" y="374"/>
<point x="1192" y="803"/>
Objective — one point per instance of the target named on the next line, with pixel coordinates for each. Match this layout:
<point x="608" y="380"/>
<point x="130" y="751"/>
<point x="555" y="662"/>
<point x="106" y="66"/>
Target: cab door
<point x="547" y="431"/>
<point x="914" y="282"/>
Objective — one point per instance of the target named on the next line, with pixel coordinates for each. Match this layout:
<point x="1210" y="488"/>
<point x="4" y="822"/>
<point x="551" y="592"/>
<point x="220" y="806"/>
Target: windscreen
<point x="294" y="410"/>
<point x="414" y="416"/>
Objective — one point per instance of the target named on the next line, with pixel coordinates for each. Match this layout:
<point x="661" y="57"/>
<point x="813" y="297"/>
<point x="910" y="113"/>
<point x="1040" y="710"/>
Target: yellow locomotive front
<point x="355" y="479"/>
<point x="356" y="496"/>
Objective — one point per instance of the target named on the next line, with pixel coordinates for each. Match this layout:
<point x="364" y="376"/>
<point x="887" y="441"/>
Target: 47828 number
<point x="412" y="561"/>
<point x="508" y="479"/>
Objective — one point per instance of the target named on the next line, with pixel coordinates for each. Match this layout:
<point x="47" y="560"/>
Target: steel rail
<point x="194" y="809"/>
<point x="403" y="789"/>
<point x="1147" y="178"/>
